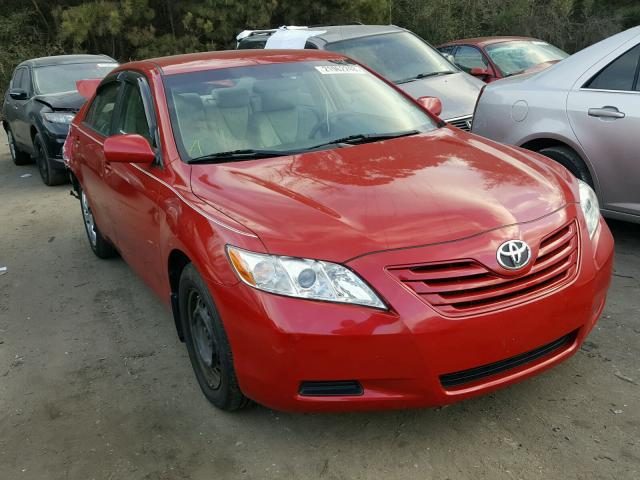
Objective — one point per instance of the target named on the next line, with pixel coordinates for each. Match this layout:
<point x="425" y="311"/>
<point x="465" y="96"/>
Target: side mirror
<point x="18" y="94"/>
<point x="433" y="104"/>
<point x="479" y="72"/>
<point x="129" y="148"/>
<point x="450" y="57"/>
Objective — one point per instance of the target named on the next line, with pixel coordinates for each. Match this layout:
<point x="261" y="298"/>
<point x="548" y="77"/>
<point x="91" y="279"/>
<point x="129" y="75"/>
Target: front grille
<point x="462" y="287"/>
<point x="474" y="374"/>
<point x="330" y="389"/>
<point x="463" y="123"/>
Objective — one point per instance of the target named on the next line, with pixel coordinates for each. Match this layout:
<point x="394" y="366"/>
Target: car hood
<point x="458" y="92"/>
<point x="337" y="204"/>
<point x="62" y="101"/>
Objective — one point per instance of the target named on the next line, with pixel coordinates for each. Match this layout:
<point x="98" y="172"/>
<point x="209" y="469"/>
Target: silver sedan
<point x="583" y="112"/>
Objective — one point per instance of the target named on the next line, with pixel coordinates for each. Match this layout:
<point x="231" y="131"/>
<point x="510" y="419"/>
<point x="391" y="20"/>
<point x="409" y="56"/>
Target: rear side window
<point x="17" y="78"/>
<point x="470" y="57"/>
<point x="621" y="74"/>
<point x="252" y="44"/>
<point x="101" y="110"/>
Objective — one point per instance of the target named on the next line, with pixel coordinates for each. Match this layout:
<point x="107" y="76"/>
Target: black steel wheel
<point x="207" y="343"/>
<point x="49" y="175"/>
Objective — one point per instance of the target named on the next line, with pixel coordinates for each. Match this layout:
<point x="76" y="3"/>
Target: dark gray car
<point x="39" y="105"/>
<point x="398" y="55"/>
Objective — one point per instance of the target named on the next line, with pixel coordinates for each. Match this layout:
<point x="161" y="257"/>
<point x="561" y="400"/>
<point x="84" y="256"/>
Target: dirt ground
<point x="94" y="384"/>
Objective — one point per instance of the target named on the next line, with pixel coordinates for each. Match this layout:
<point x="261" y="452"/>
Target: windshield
<point x="396" y="56"/>
<point x="62" y="78"/>
<point x="516" y="57"/>
<point x="285" y="107"/>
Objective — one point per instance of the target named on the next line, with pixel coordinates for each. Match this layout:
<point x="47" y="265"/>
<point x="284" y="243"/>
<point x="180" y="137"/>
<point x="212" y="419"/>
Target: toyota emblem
<point x="514" y="254"/>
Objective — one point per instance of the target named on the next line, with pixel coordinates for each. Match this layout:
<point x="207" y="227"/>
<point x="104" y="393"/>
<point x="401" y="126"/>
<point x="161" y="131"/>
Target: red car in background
<point x="492" y="58"/>
<point x="326" y="243"/>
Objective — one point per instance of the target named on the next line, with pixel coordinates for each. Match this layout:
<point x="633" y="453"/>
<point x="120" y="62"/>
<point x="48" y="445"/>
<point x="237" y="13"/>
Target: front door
<point x="134" y="189"/>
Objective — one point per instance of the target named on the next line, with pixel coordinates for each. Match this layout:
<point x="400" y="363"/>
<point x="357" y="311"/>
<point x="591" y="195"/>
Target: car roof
<point x="193" y="62"/>
<point x="564" y="74"/>
<point x="484" y="41"/>
<point x="335" y="33"/>
<point x="66" y="60"/>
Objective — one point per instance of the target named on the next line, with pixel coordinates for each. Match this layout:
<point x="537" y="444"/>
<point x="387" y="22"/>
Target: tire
<point x="570" y="160"/>
<point x="99" y="245"/>
<point x="49" y="175"/>
<point x="207" y="343"/>
<point x="19" y="157"/>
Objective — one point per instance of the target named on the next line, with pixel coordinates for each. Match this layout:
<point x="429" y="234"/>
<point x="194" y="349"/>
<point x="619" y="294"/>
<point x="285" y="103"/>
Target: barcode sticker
<point x="339" y="69"/>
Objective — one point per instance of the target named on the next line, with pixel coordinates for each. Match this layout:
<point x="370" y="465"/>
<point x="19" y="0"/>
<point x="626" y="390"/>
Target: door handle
<point x="606" y="112"/>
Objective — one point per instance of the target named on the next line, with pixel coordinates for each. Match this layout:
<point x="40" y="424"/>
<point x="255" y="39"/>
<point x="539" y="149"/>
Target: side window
<point x="470" y="57"/>
<point x="17" y="78"/>
<point x="447" y="49"/>
<point x="25" y="81"/>
<point x="621" y="74"/>
<point x="133" y="118"/>
<point x="101" y="110"/>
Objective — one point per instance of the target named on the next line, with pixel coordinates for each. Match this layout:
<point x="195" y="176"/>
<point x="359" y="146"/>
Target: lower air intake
<point x="330" y="389"/>
<point x="474" y="374"/>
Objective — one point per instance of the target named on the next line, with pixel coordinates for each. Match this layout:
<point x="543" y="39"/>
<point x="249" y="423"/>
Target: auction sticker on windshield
<point x="337" y="69"/>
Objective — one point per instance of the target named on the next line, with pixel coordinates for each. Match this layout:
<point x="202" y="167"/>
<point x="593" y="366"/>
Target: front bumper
<point x="399" y="356"/>
<point x="54" y="139"/>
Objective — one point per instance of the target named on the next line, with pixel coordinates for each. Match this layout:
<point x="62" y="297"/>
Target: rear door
<point x="18" y="108"/>
<point x="88" y="141"/>
<point x="604" y="110"/>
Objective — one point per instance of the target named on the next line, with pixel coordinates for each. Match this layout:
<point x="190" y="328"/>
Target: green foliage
<point x="130" y="29"/>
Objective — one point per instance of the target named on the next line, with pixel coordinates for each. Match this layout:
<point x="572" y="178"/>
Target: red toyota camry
<point x="327" y="243"/>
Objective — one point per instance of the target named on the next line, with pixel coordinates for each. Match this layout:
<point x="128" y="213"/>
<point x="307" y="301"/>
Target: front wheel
<point x="50" y="176"/>
<point x="99" y="245"/>
<point x="207" y="343"/>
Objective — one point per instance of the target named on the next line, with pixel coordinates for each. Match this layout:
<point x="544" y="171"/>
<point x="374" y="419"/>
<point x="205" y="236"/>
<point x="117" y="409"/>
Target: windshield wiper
<point x="424" y="75"/>
<point x="361" y="138"/>
<point x="244" y="154"/>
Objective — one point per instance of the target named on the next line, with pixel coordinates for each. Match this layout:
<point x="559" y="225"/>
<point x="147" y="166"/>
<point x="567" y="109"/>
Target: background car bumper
<point x="54" y="140"/>
<point x="399" y="356"/>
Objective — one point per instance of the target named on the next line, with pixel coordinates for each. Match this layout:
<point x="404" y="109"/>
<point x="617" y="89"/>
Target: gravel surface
<point x="94" y="384"/>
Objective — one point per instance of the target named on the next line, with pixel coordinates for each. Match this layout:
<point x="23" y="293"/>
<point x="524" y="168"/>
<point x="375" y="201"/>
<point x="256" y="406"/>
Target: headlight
<point x="303" y="278"/>
<point x="590" y="207"/>
<point x="58" y="117"/>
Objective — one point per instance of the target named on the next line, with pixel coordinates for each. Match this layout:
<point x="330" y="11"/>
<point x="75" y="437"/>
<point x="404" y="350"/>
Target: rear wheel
<point x="100" y="246"/>
<point x="19" y="157"/>
<point x="207" y="343"/>
<point x="570" y="160"/>
<point x="49" y="175"/>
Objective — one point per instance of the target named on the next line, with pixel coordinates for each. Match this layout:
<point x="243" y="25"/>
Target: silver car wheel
<point x="89" y="222"/>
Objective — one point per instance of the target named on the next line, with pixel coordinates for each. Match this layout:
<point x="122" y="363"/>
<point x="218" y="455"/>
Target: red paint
<point x="439" y="197"/>
<point x="86" y="88"/>
<point x="128" y="149"/>
<point x="492" y="72"/>
<point x="432" y="104"/>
